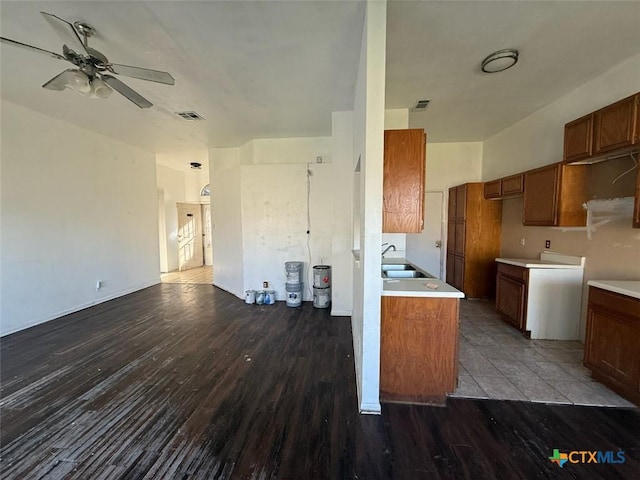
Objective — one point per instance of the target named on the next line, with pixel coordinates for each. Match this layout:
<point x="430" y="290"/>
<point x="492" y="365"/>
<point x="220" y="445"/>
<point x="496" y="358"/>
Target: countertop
<point x="534" y="263"/>
<point x="630" y="288"/>
<point x="546" y="260"/>
<point x="416" y="287"/>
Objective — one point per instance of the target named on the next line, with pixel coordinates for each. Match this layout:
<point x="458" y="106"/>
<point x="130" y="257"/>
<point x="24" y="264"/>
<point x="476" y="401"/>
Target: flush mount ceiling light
<point x="195" y="165"/>
<point x="500" y="60"/>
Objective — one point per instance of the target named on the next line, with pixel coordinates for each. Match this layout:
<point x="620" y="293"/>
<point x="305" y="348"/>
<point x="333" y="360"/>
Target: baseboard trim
<point x="77" y="308"/>
<point x="370" y="408"/>
<point x="227" y="289"/>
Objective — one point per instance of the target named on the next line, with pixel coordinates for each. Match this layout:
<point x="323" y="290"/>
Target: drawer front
<point x="518" y="273"/>
<point x="614" y="302"/>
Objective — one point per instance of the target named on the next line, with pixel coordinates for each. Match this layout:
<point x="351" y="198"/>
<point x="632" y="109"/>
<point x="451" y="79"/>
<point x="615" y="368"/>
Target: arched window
<point x="205" y="192"/>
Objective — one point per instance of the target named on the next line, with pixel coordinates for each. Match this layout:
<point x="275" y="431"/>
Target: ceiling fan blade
<point x="59" y="82"/>
<point x="127" y="92"/>
<point x="66" y="31"/>
<point x="8" y="41"/>
<point x="142" y="73"/>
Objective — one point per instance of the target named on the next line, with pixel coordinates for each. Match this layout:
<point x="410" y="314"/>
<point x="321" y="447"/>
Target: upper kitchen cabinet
<point x="615" y="126"/>
<point x="578" y="141"/>
<point x="612" y="128"/>
<point x="554" y="195"/>
<point x="493" y="189"/>
<point x="511" y="186"/>
<point x="404" y="180"/>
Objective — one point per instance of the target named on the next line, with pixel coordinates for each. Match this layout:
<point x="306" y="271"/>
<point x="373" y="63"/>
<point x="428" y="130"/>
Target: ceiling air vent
<point x="420" y="106"/>
<point x="190" y="115"/>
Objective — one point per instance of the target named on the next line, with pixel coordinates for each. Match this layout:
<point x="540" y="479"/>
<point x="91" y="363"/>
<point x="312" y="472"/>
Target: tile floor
<point x="497" y="362"/>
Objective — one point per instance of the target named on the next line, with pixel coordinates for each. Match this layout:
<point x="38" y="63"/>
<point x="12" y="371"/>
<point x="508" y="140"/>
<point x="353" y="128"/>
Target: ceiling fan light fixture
<point x="99" y="89"/>
<point x="500" y="60"/>
<point x="79" y="82"/>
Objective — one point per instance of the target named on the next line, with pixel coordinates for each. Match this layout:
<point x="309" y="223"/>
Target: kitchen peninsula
<point x="419" y="335"/>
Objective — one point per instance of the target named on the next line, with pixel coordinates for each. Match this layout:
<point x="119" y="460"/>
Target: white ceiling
<point x="268" y="69"/>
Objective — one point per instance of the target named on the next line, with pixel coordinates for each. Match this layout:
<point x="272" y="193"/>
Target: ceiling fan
<point x="92" y="76"/>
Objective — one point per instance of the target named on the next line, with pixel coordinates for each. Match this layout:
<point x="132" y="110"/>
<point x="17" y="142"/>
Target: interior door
<point x="207" y="236"/>
<point x="189" y="236"/>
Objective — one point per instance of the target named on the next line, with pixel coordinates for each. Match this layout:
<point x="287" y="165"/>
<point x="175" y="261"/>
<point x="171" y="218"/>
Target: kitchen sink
<point x="386" y="267"/>
<point x="404" y="274"/>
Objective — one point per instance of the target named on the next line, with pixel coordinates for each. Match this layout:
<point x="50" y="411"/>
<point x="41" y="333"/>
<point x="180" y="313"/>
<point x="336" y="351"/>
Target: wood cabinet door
<point x="513" y="185"/>
<point x="578" y="139"/>
<point x="458" y="272"/>
<point x="493" y="189"/>
<point x="451" y="209"/>
<point x="613" y="346"/>
<point x="460" y="238"/>
<point x="451" y="237"/>
<point x="450" y="269"/>
<point x="614" y="126"/>
<point x="403" y="182"/>
<point x="461" y="203"/>
<point x="636" y="134"/>
<point x="418" y="348"/>
<point x="541" y="196"/>
<point x="636" y="208"/>
<point x="510" y="301"/>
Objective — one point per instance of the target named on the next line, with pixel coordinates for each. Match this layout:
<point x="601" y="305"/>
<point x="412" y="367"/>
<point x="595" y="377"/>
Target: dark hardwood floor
<point x="189" y="382"/>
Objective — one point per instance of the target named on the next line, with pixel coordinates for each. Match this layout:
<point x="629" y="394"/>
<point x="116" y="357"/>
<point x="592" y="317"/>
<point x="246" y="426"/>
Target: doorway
<point x="425" y="249"/>
<point x="190" y="253"/>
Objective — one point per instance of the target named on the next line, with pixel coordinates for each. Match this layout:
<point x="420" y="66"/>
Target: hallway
<point x="199" y="275"/>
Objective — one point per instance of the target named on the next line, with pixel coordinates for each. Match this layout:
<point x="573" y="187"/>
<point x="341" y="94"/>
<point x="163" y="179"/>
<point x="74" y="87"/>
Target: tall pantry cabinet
<point x="473" y="240"/>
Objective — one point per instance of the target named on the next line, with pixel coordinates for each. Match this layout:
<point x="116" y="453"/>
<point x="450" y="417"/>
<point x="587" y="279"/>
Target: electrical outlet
<point x="522" y="242"/>
<point x="98" y="284"/>
<point x="547" y="244"/>
<point x="265" y="284"/>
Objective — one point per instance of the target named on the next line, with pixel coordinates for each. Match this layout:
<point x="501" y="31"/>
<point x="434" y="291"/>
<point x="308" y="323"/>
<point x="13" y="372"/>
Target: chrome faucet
<point x="388" y="248"/>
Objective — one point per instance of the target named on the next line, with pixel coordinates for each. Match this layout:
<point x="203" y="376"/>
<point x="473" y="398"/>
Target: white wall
<point x="342" y="238"/>
<point x="263" y="223"/>
<point x="368" y="147"/>
<point x="613" y="251"/>
<point x="226" y="209"/>
<point x="171" y="189"/>
<point x="274" y="222"/>
<point x="289" y="150"/>
<point x="451" y="164"/>
<point x="77" y="207"/>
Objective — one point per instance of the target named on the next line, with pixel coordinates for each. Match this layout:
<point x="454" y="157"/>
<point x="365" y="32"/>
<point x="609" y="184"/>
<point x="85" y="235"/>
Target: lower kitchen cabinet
<point x="612" y="345"/>
<point x="511" y="294"/>
<point x="541" y="298"/>
<point x="418" y="349"/>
